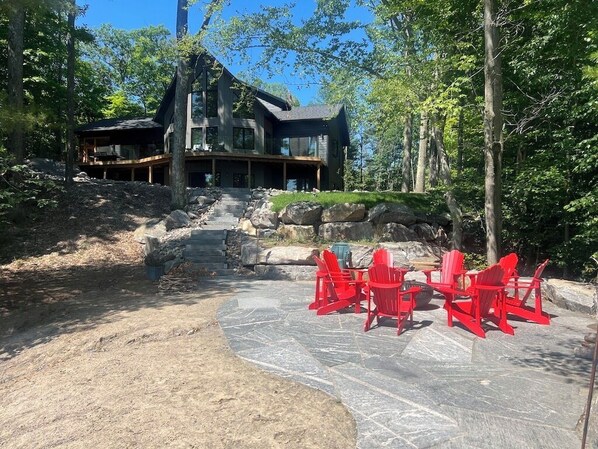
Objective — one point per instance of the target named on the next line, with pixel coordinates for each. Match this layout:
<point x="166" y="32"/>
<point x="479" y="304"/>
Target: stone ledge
<point x="286" y="272"/>
<point x="575" y="296"/>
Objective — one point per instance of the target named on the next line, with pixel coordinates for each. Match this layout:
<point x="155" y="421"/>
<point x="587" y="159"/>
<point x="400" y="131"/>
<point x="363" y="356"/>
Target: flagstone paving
<point x="432" y="386"/>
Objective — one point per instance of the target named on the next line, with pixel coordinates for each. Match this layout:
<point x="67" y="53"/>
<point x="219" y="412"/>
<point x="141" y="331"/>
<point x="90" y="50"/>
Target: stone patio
<point x="431" y="387"/>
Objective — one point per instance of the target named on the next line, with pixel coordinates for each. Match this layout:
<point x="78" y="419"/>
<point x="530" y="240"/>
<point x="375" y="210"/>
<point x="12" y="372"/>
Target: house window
<point x="285" y="146"/>
<point x="243" y="138"/>
<point x="212" y="103"/>
<point x="170" y="142"/>
<point x="212" y="138"/>
<point x="312" y="146"/>
<point x="196" y="138"/>
<point x="197" y="106"/>
<point x="212" y="94"/>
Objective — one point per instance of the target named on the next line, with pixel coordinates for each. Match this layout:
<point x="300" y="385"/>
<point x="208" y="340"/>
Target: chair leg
<point x="333" y="306"/>
<point x="448" y="305"/>
<point x="318" y="295"/>
<point x="368" y="320"/>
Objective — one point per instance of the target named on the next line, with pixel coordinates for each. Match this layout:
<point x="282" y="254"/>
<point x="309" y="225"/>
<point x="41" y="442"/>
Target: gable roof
<point x="313" y="112"/>
<point x="269" y="101"/>
<point x="113" y="124"/>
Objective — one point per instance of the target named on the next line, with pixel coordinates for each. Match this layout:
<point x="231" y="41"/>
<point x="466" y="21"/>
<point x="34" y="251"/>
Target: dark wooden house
<point x="237" y="136"/>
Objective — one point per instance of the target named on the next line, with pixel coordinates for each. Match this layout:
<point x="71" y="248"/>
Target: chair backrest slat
<point x="382" y="256"/>
<point x="452" y="263"/>
<point x="386" y="299"/>
<point x="491" y="276"/>
<point x="509" y="265"/>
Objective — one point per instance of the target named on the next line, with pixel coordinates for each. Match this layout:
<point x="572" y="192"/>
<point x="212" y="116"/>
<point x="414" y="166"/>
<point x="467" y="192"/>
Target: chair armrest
<point x="429" y="272"/>
<point x="383" y="285"/>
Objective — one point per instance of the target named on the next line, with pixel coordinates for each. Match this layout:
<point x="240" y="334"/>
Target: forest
<point x="492" y="104"/>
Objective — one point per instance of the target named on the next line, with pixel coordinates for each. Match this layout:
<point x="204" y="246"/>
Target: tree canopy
<point x="411" y="75"/>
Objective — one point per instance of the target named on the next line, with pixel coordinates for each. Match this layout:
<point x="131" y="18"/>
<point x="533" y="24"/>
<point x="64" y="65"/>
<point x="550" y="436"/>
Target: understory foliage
<point x="23" y="191"/>
<point x="393" y="60"/>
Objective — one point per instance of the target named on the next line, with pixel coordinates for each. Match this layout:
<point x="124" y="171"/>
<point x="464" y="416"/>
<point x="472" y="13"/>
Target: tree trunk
<point x="420" y="178"/>
<point x="16" y="25"/>
<point x="433" y="161"/>
<point x="445" y="175"/>
<point x="177" y="184"/>
<point x="460" y="142"/>
<point x="70" y="95"/>
<point x="407" y="143"/>
<point x="493" y="138"/>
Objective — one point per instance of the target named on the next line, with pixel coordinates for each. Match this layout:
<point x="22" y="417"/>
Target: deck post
<point x="133" y="174"/>
<point x="150" y="174"/>
<point x="105" y="172"/>
<point x="318" y="177"/>
<point x="284" y="176"/>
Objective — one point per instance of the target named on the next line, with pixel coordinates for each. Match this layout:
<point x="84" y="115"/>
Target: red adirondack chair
<point x="486" y="300"/>
<point x="451" y="273"/>
<point x="509" y="265"/>
<point x="382" y="256"/>
<point x="322" y="280"/>
<point x="343" y="290"/>
<point x="384" y="291"/>
<point x="522" y="290"/>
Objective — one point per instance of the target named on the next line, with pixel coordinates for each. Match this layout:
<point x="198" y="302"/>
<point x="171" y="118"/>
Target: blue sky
<point x="132" y="14"/>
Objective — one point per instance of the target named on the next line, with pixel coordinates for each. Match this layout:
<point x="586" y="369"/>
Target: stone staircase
<point x="206" y="248"/>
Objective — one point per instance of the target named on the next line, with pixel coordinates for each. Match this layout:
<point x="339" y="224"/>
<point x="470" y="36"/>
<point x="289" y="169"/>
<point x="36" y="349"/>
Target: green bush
<point x="22" y="191"/>
<point x="418" y="202"/>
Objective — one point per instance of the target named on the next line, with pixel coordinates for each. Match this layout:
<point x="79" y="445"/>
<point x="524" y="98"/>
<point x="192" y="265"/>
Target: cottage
<point x="237" y="136"/>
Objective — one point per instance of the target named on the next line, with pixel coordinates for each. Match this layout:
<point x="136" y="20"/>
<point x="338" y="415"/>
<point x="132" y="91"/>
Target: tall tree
<point x="493" y="135"/>
<point x="70" y="94"/>
<point x="186" y="49"/>
<point x="177" y="184"/>
<point x="16" y="26"/>
<point x="420" y="178"/>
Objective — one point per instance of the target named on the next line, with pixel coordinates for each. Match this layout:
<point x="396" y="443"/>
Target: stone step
<point x="204" y="251"/>
<point x="209" y="233"/>
<point x="201" y="244"/>
<point x="225" y="272"/>
<point x="210" y="266"/>
<point x="208" y="261"/>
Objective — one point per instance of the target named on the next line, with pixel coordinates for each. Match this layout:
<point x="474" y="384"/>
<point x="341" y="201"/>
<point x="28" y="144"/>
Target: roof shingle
<point x="315" y="112"/>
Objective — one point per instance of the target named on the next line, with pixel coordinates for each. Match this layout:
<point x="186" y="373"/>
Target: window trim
<point x="244" y="138"/>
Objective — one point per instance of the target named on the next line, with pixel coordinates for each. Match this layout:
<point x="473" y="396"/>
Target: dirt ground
<point x="92" y="355"/>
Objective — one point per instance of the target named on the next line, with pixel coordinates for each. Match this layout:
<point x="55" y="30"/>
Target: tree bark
<point x="183" y="77"/>
<point x="433" y="161"/>
<point x="407" y="143"/>
<point x="493" y="137"/>
<point x="177" y="185"/>
<point x="460" y="142"/>
<point x="445" y="176"/>
<point x="16" y="25"/>
<point x="70" y="95"/>
<point x="420" y="178"/>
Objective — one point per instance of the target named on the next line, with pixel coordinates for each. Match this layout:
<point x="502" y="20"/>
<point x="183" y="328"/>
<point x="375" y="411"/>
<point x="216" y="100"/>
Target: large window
<point x="212" y="93"/>
<point x="196" y="138"/>
<point x="212" y="138"/>
<point x="204" y="95"/>
<point x="299" y="146"/>
<point x="243" y="138"/>
<point x="197" y="106"/>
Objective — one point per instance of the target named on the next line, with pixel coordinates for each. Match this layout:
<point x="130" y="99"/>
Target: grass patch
<point x="432" y="203"/>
